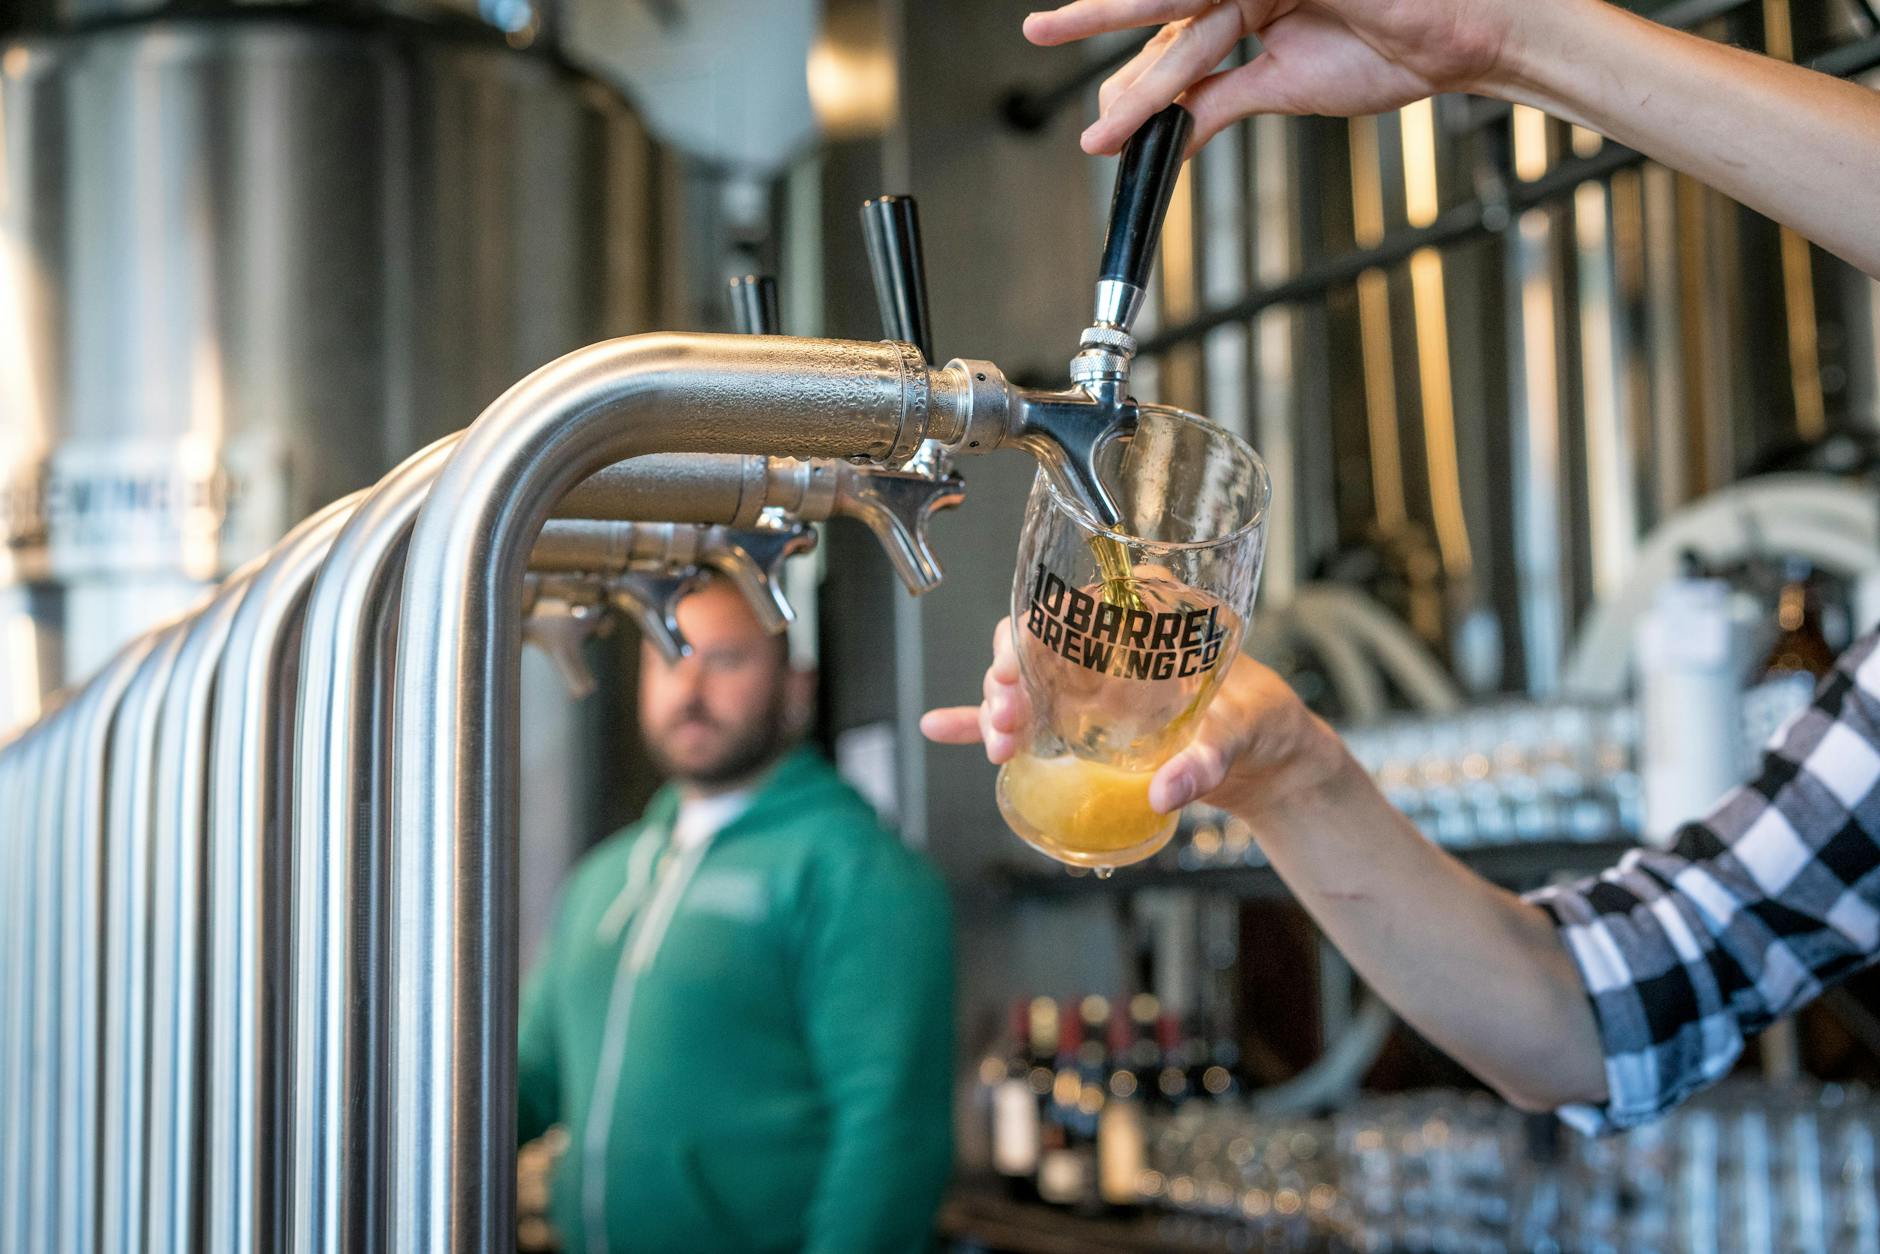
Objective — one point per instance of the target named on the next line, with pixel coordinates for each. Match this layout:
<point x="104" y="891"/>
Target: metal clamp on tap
<point x="1068" y="431"/>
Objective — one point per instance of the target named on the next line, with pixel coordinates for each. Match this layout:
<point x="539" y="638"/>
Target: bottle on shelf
<point x="1065" y="1159"/>
<point x="1067" y="1163"/>
<point x="1801" y="646"/>
<point x="1015" y="1104"/>
<point x="1171" y="1081"/>
<point x="1093" y="1061"/>
<point x="1122" y="1137"/>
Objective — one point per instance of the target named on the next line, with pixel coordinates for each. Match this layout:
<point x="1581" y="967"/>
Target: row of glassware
<point x="1745" y="1168"/>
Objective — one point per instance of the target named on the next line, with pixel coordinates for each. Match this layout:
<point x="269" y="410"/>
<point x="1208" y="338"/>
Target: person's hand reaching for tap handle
<point x="1788" y="142"/>
<point x="1336" y="57"/>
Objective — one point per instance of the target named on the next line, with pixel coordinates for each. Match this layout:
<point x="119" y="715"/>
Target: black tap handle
<point x="1145" y="180"/>
<point x="754" y="305"/>
<point x="891" y="227"/>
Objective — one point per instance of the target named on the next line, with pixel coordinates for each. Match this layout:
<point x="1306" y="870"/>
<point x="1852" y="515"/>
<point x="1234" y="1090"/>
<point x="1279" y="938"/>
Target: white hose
<point x="1353" y="676"/>
<point x="1832" y="522"/>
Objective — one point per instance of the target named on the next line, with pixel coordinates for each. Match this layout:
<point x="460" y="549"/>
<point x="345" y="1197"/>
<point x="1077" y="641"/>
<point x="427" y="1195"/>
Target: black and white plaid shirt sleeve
<point x="1754" y="910"/>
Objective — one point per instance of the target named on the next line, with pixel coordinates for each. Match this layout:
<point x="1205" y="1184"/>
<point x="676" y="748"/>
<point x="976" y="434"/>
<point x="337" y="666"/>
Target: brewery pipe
<point x="454" y="817"/>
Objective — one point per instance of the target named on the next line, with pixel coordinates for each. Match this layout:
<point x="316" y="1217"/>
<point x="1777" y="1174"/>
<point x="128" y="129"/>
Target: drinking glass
<point x="1124" y="633"/>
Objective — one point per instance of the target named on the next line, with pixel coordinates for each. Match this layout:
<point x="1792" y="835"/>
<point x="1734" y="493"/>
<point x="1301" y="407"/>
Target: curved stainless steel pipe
<point x="341" y="861"/>
<point x="173" y="1215"/>
<point x="41" y="1200"/>
<point x="121" y="1139"/>
<point x="14" y="779"/>
<point x="82" y="967"/>
<point x="452" y="1103"/>
<point x="337" y="1132"/>
<point x="250" y="808"/>
<point x="15" y="1170"/>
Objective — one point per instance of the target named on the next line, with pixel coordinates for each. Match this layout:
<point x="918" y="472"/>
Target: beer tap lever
<point x="1145" y="182"/>
<point x="651" y="599"/>
<point x="562" y="616"/>
<point x="1070" y="432"/>
<point x="753" y="561"/>
<point x="896" y="505"/>
<point x="891" y="230"/>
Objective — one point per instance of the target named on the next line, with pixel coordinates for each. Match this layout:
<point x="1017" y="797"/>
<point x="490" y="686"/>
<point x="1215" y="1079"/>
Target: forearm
<point x="1476" y="970"/>
<point x="1791" y="143"/>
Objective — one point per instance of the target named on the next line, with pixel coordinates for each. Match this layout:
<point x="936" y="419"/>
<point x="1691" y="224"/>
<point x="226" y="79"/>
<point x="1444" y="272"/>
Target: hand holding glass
<point x="1124" y="634"/>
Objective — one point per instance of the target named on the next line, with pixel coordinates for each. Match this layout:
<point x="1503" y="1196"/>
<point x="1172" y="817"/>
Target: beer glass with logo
<point x="1124" y="633"/>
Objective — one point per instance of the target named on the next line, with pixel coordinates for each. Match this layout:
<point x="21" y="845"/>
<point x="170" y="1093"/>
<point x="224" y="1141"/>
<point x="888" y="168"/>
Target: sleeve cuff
<point x="1616" y="957"/>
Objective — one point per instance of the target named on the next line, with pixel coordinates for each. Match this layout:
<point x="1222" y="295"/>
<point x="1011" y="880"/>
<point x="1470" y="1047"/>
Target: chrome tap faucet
<point x="1069" y="431"/>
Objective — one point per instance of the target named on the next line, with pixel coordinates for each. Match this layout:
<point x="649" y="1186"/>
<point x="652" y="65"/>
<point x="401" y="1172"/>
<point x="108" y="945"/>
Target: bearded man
<point x="743" y="1015"/>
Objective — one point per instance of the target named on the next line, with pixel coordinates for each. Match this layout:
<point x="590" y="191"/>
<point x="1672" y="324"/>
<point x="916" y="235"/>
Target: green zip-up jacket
<point x="785" y="1056"/>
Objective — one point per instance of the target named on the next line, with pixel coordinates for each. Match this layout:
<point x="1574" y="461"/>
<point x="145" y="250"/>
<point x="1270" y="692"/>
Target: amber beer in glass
<point x="1124" y="633"/>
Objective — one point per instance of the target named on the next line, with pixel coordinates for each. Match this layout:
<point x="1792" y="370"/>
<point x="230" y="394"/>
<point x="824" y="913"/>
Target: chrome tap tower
<point x="258" y="951"/>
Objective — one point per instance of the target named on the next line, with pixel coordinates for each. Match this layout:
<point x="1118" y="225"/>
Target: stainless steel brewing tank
<point x="248" y="261"/>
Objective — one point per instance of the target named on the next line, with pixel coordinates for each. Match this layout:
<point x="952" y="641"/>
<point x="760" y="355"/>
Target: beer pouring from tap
<point x="1142" y="547"/>
<point x="1069" y="431"/>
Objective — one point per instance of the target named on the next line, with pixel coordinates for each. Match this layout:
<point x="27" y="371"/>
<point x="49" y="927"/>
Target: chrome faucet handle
<point x="752" y="559"/>
<point x="651" y="599"/>
<point x="562" y="614"/>
<point x="897" y="505"/>
<point x="1069" y="432"/>
<point x="891" y="230"/>
<point x="1151" y="162"/>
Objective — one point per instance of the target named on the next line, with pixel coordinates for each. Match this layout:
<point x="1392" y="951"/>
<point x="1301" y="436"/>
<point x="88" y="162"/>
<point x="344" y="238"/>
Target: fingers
<point x="1132" y="69"/>
<point x="1004" y="653"/>
<point x="1001" y="746"/>
<point x="1244" y="732"/>
<point x="1220" y="100"/>
<point x="974" y="725"/>
<point x="999" y="719"/>
<point x="954" y="725"/>
<point x="1002" y="704"/>
<point x="1196" y="47"/>
<point x="1096" y="17"/>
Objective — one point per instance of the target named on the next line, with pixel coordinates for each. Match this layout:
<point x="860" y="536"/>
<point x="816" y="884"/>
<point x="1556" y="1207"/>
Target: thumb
<point x="1194" y="772"/>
